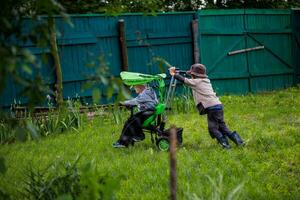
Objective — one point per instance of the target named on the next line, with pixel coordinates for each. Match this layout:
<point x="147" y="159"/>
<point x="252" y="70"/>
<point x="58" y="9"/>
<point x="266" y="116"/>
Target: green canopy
<point x="133" y="78"/>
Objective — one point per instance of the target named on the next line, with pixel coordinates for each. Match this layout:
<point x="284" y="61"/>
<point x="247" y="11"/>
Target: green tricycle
<point x="155" y="124"/>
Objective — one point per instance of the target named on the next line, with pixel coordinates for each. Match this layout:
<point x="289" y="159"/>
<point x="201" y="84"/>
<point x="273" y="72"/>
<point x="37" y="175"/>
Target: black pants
<point x="133" y="127"/>
<point x="216" y="124"/>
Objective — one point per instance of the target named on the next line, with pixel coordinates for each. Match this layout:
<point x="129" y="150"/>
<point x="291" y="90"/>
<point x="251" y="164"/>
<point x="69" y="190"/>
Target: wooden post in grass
<point x="123" y="46"/>
<point x="195" y="40"/>
<point x="57" y="66"/>
<point x="173" y="141"/>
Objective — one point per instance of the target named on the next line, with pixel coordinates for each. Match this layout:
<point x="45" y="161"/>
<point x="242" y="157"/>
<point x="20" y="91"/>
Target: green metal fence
<point x="244" y="50"/>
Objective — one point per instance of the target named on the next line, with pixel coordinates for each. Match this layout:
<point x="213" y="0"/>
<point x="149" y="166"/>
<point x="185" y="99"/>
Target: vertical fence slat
<point x="195" y="32"/>
<point x="123" y="46"/>
<point x="295" y="18"/>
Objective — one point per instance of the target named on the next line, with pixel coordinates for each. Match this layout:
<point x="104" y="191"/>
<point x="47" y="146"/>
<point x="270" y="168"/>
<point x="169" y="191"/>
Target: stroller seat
<point x="153" y="120"/>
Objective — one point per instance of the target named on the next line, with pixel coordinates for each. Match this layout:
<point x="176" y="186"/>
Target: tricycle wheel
<point x="163" y="144"/>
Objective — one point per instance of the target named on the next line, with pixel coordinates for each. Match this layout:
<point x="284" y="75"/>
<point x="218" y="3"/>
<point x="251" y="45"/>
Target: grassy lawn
<point x="268" y="167"/>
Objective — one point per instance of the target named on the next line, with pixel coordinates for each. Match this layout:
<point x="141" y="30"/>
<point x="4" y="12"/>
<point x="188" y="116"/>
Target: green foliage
<point x="34" y="127"/>
<point x="2" y="166"/>
<point x="19" y="65"/>
<point x="184" y="103"/>
<point x="217" y="190"/>
<point x="3" y="169"/>
<point x="67" y="118"/>
<point x="266" y="4"/>
<point x="115" y="7"/>
<point x="65" y="180"/>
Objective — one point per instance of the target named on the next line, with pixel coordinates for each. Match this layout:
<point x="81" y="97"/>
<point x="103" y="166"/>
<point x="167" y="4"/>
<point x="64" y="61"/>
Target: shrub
<point x="68" y="181"/>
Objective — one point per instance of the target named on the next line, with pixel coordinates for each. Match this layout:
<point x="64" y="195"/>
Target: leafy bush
<point x="67" y="181"/>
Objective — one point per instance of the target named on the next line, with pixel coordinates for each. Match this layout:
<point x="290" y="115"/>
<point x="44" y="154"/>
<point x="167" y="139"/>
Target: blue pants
<point x="216" y="124"/>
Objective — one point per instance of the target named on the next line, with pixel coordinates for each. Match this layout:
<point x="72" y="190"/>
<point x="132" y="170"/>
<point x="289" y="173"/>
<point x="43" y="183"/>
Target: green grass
<point x="266" y="168"/>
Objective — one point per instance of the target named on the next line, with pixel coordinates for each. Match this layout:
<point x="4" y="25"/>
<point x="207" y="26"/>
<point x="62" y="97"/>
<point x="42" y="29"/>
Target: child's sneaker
<point x="118" y="145"/>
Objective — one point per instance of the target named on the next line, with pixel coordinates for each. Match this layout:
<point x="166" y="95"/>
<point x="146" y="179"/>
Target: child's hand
<point x="172" y="71"/>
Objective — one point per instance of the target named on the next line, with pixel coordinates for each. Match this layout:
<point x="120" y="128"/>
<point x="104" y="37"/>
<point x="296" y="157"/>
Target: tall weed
<point x="33" y="127"/>
<point x="217" y="191"/>
<point x="65" y="180"/>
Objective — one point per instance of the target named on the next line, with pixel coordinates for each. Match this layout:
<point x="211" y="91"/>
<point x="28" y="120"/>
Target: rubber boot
<point x="224" y="142"/>
<point x="234" y="136"/>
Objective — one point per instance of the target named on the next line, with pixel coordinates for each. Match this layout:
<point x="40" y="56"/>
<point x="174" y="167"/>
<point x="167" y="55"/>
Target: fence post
<point x="295" y="16"/>
<point x="173" y="181"/>
<point x="247" y="58"/>
<point x="57" y="65"/>
<point x="195" y="33"/>
<point x="123" y="46"/>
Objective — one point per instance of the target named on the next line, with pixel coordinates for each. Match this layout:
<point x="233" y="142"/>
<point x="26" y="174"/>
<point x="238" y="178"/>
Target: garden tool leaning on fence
<point x="155" y="124"/>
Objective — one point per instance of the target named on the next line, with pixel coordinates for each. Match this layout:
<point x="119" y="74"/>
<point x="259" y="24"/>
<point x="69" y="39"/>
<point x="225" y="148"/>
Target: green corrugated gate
<point x="266" y="35"/>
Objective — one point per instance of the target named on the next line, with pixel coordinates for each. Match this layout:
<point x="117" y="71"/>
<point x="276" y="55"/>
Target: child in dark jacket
<point x="132" y="130"/>
<point x="208" y="103"/>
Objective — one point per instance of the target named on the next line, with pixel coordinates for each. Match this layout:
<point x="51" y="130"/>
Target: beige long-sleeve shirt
<point x="203" y="92"/>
